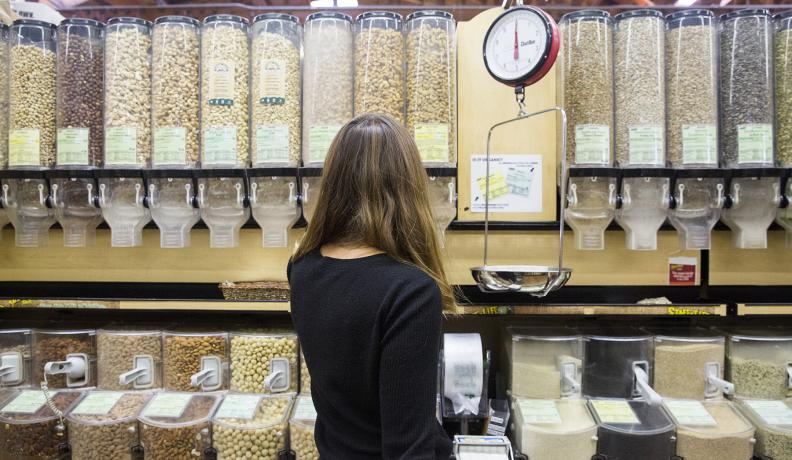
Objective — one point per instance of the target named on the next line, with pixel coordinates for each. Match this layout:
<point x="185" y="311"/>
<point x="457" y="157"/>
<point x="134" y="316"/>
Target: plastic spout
<point x="274" y="236"/>
<point x="141" y="375"/>
<point x="125" y="236"/>
<point x="31" y="235"/>
<point x="78" y="235"/>
<point x="209" y="377"/>
<point x="223" y="236"/>
<point x="174" y="238"/>
<point x="75" y="367"/>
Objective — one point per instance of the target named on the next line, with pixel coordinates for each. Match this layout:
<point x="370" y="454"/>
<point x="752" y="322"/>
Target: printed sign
<point x="515" y="183"/>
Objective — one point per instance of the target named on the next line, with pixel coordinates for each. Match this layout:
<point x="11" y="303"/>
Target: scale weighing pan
<point x="530" y="279"/>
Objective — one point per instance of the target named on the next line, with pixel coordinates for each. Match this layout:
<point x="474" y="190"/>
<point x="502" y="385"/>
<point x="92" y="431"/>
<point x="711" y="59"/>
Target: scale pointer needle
<point x="516" y="43"/>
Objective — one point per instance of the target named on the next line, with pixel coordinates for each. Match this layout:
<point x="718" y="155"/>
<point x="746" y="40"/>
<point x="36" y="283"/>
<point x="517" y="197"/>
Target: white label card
<point x="539" y="411"/>
<point x="27" y="402"/>
<point x="239" y="406"/>
<point x="615" y="411"/>
<point x="168" y="405"/>
<point x="690" y="413"/>
<point x="100" y="403"/>
<point x="304" y="409"/>
<point x="772" y="412"/>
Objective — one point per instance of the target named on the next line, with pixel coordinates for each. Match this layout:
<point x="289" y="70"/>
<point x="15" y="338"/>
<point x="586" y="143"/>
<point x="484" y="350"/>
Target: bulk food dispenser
<point x="264" y="362"/>
<point x="122" y="198"/>
<point x="73" y="197"/>
<point x="773" y="421"/>
<point x="195" y="361"/>
<point x="177" y="425"/>
<point x="27" y="205"/>
<point x="261" y="421"/>
<point x="548" y="429"/>
<point x="274" y="203"/>
<point x="632" y="429"/>
<point x="760" y="364"/>
<point x="222" y="198"/>
<point x="301" y="429"/>
<point x="443" y="199"/>
<point x="710" y="430"/>
<point x="129" y="359"/>
<point x="173" y="205"/>
<point x="692" y="129"/>
<point x="64" y="358"/>
<point x="619" y="365"/>
<point x="545" y="363"/>
<point x="15" y="358"/>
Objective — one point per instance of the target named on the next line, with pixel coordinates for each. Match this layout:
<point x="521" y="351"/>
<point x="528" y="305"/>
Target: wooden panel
<point x="759" y="267"/>
<point x="763" y="309"/>
<point x="484" y="102"/>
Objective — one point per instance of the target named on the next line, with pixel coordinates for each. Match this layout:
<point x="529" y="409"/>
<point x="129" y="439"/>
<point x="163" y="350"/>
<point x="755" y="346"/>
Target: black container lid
<point x="178" y="19"/>
<point x="129" y="20"/>
<point x="328" y="15"/>
<point x="744" y="13"/>
<point x="641" y="13"/>
<point x="226" y="17"/>
<point x="33" y="22"/>
<point x="379" y="14"/>
<point x="430" y="14"/>
<point x="278" y="16"/>
<point x="82" y="22"/>
<point x="587" y="14"/>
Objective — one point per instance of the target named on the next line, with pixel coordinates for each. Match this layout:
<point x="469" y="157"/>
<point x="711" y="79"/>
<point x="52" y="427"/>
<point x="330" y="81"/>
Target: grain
<point x="755" y="378"/>
<point x="127" y="95"/>
<point x="224" y="94"/>
<point x="783" y="94"/>
<point x="4" y="69"/>
<point x="301" y="437"/>
<point x="81" y="93"/>
<point x="640" y="91"/>
<point x="774" y="443"/>
<point x="35" y="436"/>
<point x="573" y="438"/>
<point x="110" y="436"/>
<point x="587" y="89"/>
<point x="679" y="369"/>
<point x="49" y="347"/>
<point x="276" y="99"/>
<point x="251" y="356"/>
<point x="260" y="438"/>
<point x="379" y="68"/>
<point x="431" y="86"/>
<point x="32" y="105"/>
<point x="327" y="84"/>
<point x="175" y="86"/>
<point x="746" y="90"/>
<point x="692" y="94"/>
<point x="536" y="366"/>
<point x="305" y="376"/>
<point x="179" y="439"/>
<point x="116" y="351"/>
<point x="729" y="440"/>
<point x="182" y="358"/>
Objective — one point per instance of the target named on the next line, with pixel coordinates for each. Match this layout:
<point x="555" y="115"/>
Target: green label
<point x="432" y="141"/>
<point x="120" y="146"/>
<point x="755" y="141"/>
<point x="27" y="402"/>
<point x="170" y="146"/>
<point x="614" y="411"/>
<point x="592" y="145"/>
<point x="222" y="81"/>
<point x="304" y="409"/>
<point x="99" y="403"/>
<point x="699" y="145"/>
<point x="272" y="143"/>
<point x="239" y="406"/>
<point x="272" y="84"/>
<point x="167" y="405"/>
<point x="539" y="411"/>
<point x="319" y="140"/>
<point x="219" y="145"/>
<point x="691" y="413"/>
<point x="646" y="145"/>
<point x="73" y="146"/>
<point x="772" y="412"/>
<point x="24" y="147"/>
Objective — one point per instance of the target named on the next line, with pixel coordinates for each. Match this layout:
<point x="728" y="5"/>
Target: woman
<point x="368" y="292"/>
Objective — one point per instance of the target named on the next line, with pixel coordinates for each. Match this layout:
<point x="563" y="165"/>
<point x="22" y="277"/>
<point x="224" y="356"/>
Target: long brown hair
<point x="374" y="193"/>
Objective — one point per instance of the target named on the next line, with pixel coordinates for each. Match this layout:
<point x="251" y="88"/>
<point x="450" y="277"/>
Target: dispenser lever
<point x="43" y="199"/>
<point x="75" y="367"/>
<point x="642" y="383"/>
<point x="151" y="195"/>
<point x="5" y="196"/>
<point x="572" y="198"/>
<point x="789" y="374"/>
<point x="278" y="379"/>
<point x="103" y="197"/>
<point x="253" y="189"/>
<point x="721" y="199"/>
<point x="11" y="368"/>
<point x="715" y="384"/>
<point x="292" y="196"/>
<point x="240" y="197"/>
<point x="209" y="377"/>
<point x="569" y="383"/>
<point x="140" y="376"/>
<point x="201" y="188"/>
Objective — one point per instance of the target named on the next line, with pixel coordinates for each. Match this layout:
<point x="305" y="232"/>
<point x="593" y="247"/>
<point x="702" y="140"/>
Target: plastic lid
<point x="729" y="421"/>
<point x="16" y="331"/>
<point x="650" y="419"/>
<point x="430" y="14"/>
<point x="641" y="13"/>
<point x="773" y="408"/>
<point x="379" y="14"/>
<point x="177" y="19"/>
<point x="129" y="20"/>
<point x="328" y="15"/>
<point x="695" y="334"/>
<point x="539" y="333"/>
<point x="171" y="409"/>
<point x="225" y="18"/>
<point x="587" y="14"/>
<point x="124" y="330"/>
<point x="81" y="22"/>
<point x="253" y="411"/>
<point x="690" y="14"/>
<point x="64" y="332"/>
<point x="573" y="415"/>
<point x="784" y="15"/>
<point x="745" y="13"/>
<point x="255" y="333"/>
<point x="304" y="410"/>
<point x="196" y="333"/>
<point x="760" y="335"/>
<point x="108" y="407"/>
<point x="33" y="22"/>
<point x="276" y="16"/>
<point x="29" y="406"/>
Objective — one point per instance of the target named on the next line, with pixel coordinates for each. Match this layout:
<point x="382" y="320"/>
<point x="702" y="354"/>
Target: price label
<point x="691" y="413"/>
<point x="23" y="147"/>
<point x="646" y="145"/>
<point x="239" y="406"/>
<point x="120" y="146"/>
<point x="755" y="143"/>
<point x="699" y="144"/>
<point x="220" y="146"/>
<point x="615" y="411"/>
<point x="27" y="402"/>
<point x="304" y="410"/>
<point x="319" y="140"/>
<point x="539" y="411"/>
<point x="100" y="403"/>
<point x="167" y="405"/>
<point x="432" y="141"/>
<point x="73" y="146"/>
<point x="170" y="146"/>
<point x="592" y="145"/>
<point x="272" y="143"/>
<point x="772" y="412"/>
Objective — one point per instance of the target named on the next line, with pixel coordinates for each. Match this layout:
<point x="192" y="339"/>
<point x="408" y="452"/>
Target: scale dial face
<point x="519" y="45"/>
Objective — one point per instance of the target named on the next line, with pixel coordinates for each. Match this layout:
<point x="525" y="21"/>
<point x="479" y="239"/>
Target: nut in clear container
<point x="195" y="361"/>
<point x="15" y="357"/>
<point x="129" y="359"/>
<point x="264" y="363"/>
<point x="301" y="429"/>
<point x="64" y="358"/>
<point x="379" y="64"/>
<point x="251" y="426"/>
<point x="176" y="425"/>
<point x="4" y="73"/>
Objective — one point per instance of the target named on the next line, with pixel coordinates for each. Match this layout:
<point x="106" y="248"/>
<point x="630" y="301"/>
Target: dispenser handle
<point x="292" y="196"/>
<point x="89" y="188"/>
<point x="43" y="199"/>
<point x="736" y="195"/>
<point x="278" y="379"/>
<point x="666" y="203"/>
<point x="642" y="382"/>
<point x="103" y="198"/>
<point x="5" y="195"/>
<point x="715" y="384"/>
<point x="626" y="198"/>
<point x="151" y="188"/>
<point x="777" y="194"/>
<point x="681" y="198"/>
<point x="140" y="376"/>
<point x="721" y="198"/>
<point x="451" y="194"/>
<point x="188" y="197"/>
<point x="612" y="194"/>
<point x="304" y="196"/>
<point x="240" y="196"/>
<point x="209" y="377"/>
<point x="201" y="202"/>
<point x="569" y="383"/>
<point x="253" y="190"/>
<point x="11" y="368"/>
<point x="572" y="199"/>
<point x="75" y="367"/>
<point x="139" y="200"/>
<point x="789" y="374"/>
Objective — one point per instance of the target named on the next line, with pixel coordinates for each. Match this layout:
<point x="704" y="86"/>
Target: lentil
<point x="109" y="436"/>
<point x="251" y="357"/>
<point x="116" y="352"/>
<point x="260" y="438"/>
<point x="379" y="64"/>
<point x="182" y="355"/>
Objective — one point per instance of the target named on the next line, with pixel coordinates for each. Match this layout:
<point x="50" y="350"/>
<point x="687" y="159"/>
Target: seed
<point x="4" y="97"/>
<point x="110" y="436"/>
<point x="301" y="437"/>
<point x="679" y="368"/>
<point x="783" y="89"/>
<point x="55" y="346"/>
<point x="116" y="352"/>
<point x="730" y="439"/>
<point x="757" y="378"/>
<point x="379" y="67"/>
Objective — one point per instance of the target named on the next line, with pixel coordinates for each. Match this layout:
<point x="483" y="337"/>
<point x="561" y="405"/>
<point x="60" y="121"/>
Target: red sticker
<point x="682" y="271"/>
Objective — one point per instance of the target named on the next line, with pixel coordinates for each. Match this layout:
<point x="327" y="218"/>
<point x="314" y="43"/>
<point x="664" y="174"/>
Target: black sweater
<point x="370" y="333"/>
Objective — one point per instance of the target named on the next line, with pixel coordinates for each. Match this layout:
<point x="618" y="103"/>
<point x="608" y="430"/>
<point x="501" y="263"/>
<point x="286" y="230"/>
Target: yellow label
<point x="497" y="186"/>
<point x="432" y="141"/>
<point x="272" y="85"/>
<point x="170" y="146"/>
<point x="614" y="411"/>
<point x="222" y="77"/>
<point x="319" y="140"/>
<point x="73" y="146"/>
<point x="120" y="146"/>
<point x="24" y="146"/>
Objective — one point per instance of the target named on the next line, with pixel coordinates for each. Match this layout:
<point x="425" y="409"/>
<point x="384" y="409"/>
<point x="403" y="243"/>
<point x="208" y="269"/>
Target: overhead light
<point x="322" y="3"/>
<point x="346" y="3"/>
<point x="685" y="2"/>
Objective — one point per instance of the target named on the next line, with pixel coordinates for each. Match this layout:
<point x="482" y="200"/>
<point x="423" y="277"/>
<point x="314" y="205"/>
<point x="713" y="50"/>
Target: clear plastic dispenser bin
<point x="224" y="208"/>
<point x="773" y="421"/>
<point x="783" y="217"/>
<point x="698" y="205"/>
<point x="195" y="361"/>
<point x="15" y="357"/>
<point x="65" y="359"/>
<point x="251" y="426"/>
<point x="630" y="430"/>
<point x="26" y="203"/>
<point x="545" y="363"/>
<point x="618" y="366"/>
<point x="548" y="429"/>
<point x="442" y="196"/>
<point x="760" y="364"/>
<point x="591" y="206"/>
<point x="173" y="205"/>
<point x="754" y="205"/>
<point x="72" y="197"/>
<point x="310" y="179"/>
<point x="690" y="364"/>
<point x="104" y="425"/>
<point x="305" y="375"/>
<point x="301" y="429"/>
<point x="264" y="363"/>
<point x="129" y="359"/>
<point x="29" y="429"/>
<point x="176" y="425"/>
<point x="644" y="208"/>
<point x="710" y="430"/>
<point x="273" y="203"/>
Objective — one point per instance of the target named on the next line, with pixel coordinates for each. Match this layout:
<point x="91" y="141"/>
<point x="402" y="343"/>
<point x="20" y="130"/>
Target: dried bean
<point x="302" y="441"/>
<point x="260" y="438"/>
<point x="251" y="356"/>
<point x="116" y="352"/>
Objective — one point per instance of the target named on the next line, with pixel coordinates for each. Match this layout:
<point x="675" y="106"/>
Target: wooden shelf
<point x="748" y="309"/>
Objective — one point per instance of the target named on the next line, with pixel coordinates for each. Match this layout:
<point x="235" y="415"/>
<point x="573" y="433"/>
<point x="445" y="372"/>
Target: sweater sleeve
<point x="408" y="373"/>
